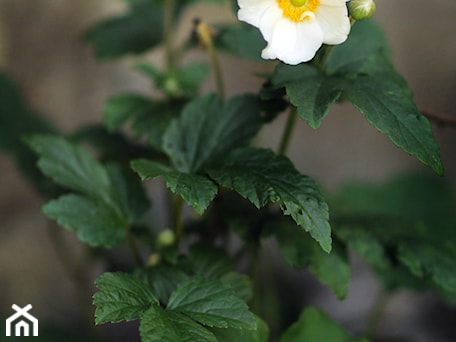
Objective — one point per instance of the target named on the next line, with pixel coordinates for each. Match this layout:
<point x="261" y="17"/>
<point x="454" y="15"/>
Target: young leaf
<point x="198" y="191"/>
<point x="94" y="222"/>
<point x="121" y="297"/>
<point x="159" y="325"/>
<point x="315" y="326"/>
<point x="211" y="303"/>
<point x="300" y="251"/>
<point x="391" y="110"/>
<point x="69" y="165"/>
<point x="262" y="177"/>
<point x="135" y="32"/>
<point x="208" y="128"/>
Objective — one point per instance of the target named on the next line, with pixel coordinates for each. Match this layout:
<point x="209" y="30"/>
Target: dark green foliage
<point x="201" y="147"/>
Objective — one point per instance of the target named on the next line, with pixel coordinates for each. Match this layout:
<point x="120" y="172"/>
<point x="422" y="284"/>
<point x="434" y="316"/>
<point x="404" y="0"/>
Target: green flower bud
<point x="166" y="238"/>
<point x="361" y="9"/>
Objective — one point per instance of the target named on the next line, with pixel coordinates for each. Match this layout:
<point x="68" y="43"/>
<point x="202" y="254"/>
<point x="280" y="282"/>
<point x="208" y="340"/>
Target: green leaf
<point x="208" y="128"/>
<point x="128" y="193"/>
<point x="69" y="165"/>
<point x="261" y="334"/>
<point x="366" y="40"/>
<point x="159" y="325"/>
<point x="242" y="40"/>
<point x="315" y="326"/>
<point x="163" y="279"/>
<point x="208" y="262"/>
<point x="211" y="303"/>
<point x="309" y="90"/>
<point x="391" y="110"/>
<point x="198" y="191"/>
<point x="121" y="297"/>
<point x="135" y="32"/>
<point x="424" y="260"/>
<point x="300" y="251"/>
<point x="148" y="118"/>
<point x="120" y="108"/>
<point x="262" y="177"/>
<point x="240" y="283"/>
<point x="94" y="222"/>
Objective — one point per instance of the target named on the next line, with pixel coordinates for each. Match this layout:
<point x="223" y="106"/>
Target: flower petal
<point x="294" y="43"/>
<point x="251" y="11"/>
<point x="334" y="22"/>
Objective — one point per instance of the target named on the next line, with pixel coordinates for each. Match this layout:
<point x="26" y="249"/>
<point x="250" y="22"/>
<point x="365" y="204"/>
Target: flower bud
<point x="361" y="9"/>
<point x="166" y="238"/>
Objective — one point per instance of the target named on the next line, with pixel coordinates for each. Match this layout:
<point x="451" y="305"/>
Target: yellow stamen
<point x="299" y="10"/>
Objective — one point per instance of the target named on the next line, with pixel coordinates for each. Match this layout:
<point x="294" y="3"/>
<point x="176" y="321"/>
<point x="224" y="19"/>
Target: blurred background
<point x="41" y="47"/>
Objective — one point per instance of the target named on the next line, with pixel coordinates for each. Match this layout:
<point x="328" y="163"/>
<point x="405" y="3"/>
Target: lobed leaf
<point x="262" y="177"/>
<point x="208" y="129"/>
<point x="94" y="222"/>
<point x="389" y="108"/>
<point x="211" y="303"/>
<point x="159" y="325"/>
<point x="121" y="297"/>
<point x="198" y="191"/>
<point x="69" y="165"/>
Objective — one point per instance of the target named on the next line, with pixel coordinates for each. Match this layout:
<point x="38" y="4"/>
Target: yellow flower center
<point x="299" y="10"/>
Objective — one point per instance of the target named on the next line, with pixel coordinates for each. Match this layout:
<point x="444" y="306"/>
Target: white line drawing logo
<point x="21" y="327"/>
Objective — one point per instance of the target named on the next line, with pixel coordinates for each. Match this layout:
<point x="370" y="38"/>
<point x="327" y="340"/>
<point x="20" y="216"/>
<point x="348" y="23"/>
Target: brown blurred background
<point x="41" y="47"/>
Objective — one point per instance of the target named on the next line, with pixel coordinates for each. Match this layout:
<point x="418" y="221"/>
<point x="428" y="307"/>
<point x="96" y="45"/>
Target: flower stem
<point x="168" y="32"/>
<point x="204" y="34"/>
<point x="286" y="137"/>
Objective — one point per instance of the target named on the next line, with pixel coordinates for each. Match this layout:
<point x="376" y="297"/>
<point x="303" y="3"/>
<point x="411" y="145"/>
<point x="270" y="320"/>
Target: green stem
<point x="289" y="127"/>
<point x="376" y="315"/>
<point x="205" y="37"/>
<point x="178" y="222"/>
<point x="134" y="249"/>
<point x="168" y="32"/>
<point x="326" y="55"/>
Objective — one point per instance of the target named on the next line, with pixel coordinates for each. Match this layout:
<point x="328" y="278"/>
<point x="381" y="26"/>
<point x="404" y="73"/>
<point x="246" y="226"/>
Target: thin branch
<point x="440" y="119"/>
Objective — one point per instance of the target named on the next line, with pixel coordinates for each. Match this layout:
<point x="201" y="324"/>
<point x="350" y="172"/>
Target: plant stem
<point x="376" y="315"/>
<point x="255" y="277"/>
<point x="178" y="222"/>
<point x="134" y="249"/>
<point x="286" y="137"/>
<point x="168" y="32"/>
<point x="204" y="34"/>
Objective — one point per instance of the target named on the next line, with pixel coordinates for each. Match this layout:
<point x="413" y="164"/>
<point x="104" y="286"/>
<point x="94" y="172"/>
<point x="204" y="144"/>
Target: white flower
<point x="296" y="29"/>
